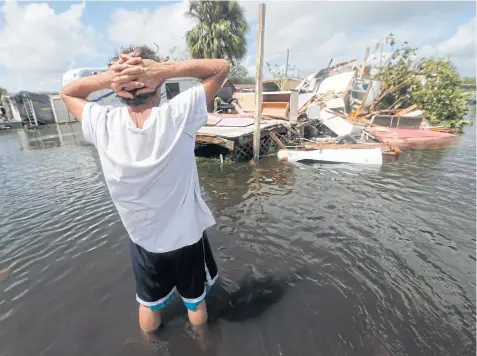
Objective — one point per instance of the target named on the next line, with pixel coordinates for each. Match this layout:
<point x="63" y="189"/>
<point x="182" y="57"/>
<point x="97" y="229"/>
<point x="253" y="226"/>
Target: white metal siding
<point x="60" y="111"/>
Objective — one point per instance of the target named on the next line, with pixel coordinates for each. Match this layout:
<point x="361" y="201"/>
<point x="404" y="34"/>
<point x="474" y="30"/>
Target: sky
<point x="41" y="40"/>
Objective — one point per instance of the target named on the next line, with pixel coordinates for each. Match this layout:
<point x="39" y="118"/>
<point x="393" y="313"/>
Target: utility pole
<point x="286" y="66"/>
<point x="258" y="81"/>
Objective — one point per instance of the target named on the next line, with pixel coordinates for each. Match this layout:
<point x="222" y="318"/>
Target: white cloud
<point x="460" y="48"/>
<point x="166" y="26"/>
<point x="317" y="31"/>
<point x="37" y="45"/>
<point x="461" y="44"/>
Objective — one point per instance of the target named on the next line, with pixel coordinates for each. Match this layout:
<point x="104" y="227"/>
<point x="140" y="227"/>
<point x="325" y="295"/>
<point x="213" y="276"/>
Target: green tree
<point x="239" y="75"/>
<point x="433" y="84"/>
<point x="2" y="91"/>
<point x="438" y="93"/>
<point x="220" y="31"/>
<point x="279" y="76"/>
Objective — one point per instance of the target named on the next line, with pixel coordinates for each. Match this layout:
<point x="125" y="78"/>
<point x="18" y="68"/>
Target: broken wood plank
<point x="363" y="65"/>
<point x="276" y="109"/>
<point x="203" y="138"/>
<point x="407" y="110"/>
<point x="238" y="108"/>
<point x="380" y="97"/>
<point x="212" y="122"/>
<point x="277" y="140"/>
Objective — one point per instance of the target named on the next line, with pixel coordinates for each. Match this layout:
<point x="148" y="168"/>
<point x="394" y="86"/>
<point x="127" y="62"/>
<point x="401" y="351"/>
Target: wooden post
<point x="258" y="82"/>
<point x="363" y="65"/>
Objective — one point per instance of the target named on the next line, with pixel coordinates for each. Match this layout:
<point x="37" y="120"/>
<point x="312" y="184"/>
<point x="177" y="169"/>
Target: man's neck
<point x="147" y="106"/>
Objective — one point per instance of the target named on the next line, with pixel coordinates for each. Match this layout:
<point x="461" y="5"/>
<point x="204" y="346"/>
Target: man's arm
<point x="74" y="94"/>
<point x="212" y="73"/>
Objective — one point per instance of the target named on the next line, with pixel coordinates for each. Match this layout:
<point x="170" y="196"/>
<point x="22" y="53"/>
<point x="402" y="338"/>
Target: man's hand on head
<point x="130" y="69"/>
<point x="123" y="87"/>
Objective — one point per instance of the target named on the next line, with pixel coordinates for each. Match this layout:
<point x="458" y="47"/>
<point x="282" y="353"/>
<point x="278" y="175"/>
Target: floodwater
<point x="314" y="260"/>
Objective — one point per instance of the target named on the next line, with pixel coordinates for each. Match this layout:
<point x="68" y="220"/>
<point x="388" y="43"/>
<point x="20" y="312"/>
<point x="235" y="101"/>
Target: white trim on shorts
<point x="160" y="301"/>
<point x="201" y="298"/>
<point x="210" y="281"/>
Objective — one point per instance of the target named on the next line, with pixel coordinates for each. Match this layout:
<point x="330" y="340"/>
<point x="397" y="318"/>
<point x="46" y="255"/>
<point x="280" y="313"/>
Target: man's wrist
<point x="104" y="80"/>
<point x="164" y="71"/>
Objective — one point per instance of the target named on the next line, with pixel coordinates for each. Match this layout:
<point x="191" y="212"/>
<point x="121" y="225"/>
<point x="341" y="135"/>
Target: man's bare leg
<point x="199" y="316"/>
<point x="149" y="320"/>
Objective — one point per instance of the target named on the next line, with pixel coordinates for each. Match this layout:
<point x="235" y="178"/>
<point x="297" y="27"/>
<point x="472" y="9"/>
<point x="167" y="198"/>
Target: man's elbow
<point x="226" y="67"/>
<point x="63" y="93"/>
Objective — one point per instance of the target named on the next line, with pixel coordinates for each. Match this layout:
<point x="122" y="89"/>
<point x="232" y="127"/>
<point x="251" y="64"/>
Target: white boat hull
<point x="371" y="156"/>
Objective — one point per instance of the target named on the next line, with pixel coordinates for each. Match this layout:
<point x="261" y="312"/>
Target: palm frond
<point x="220" y="32"/>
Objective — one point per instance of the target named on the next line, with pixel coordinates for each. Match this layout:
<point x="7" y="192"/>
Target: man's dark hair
<point x="145" y="52"/>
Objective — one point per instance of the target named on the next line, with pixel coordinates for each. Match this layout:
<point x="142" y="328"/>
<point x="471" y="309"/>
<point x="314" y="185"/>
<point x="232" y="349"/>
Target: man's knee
<point x="149" y="320"/>
<point x="198" y="316"/>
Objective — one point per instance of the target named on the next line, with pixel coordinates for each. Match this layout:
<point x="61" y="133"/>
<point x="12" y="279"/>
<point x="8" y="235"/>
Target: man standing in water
<point x="147" y="156"/>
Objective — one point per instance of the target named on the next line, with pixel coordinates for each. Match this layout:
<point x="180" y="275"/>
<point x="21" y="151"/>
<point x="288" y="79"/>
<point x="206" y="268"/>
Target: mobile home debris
<point x="350" y="130"/>
<point x="33" y="109"/>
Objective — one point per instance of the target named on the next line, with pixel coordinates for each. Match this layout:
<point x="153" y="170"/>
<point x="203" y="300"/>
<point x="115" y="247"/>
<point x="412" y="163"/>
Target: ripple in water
<point x="314" y="260"/>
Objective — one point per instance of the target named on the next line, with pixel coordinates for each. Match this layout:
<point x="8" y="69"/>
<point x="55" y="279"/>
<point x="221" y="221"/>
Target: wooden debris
<point x="278" y="110"/>
<point x="407" y="110"/>
<point x="442" y="129"/>
<point x="204" y="138"/>
<point x="212" y="122"/>
<point x="277" y="140"/>
<point x="238" y="108"/>
<point x="363" y="65"/>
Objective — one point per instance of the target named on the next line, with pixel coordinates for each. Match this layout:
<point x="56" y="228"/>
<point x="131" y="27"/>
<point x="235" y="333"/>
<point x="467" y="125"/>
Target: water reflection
<point x="314" y="260"/>
<point x="44" y="137"/>
<point x="237" y="182"/>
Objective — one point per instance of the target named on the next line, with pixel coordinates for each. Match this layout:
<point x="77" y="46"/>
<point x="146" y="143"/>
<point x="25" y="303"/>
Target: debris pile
<point x="330" y="116"/>
<point x="350" y="129"/>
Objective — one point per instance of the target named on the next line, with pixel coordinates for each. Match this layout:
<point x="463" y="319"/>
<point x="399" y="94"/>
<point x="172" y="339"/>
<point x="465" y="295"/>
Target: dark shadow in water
<point x="251" y="299"/>
<point x="211" y="151"/>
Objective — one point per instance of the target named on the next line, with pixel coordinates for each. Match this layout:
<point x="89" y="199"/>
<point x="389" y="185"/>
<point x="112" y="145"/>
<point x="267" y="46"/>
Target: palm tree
<point x="220" y="32"/>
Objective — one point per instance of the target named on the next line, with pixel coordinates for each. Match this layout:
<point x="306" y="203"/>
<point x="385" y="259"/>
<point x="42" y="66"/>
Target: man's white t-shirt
<point x="151" y="172"/>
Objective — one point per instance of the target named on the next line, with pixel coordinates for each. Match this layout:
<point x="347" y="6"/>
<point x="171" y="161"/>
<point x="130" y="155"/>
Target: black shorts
<point x="190" y="270"/>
